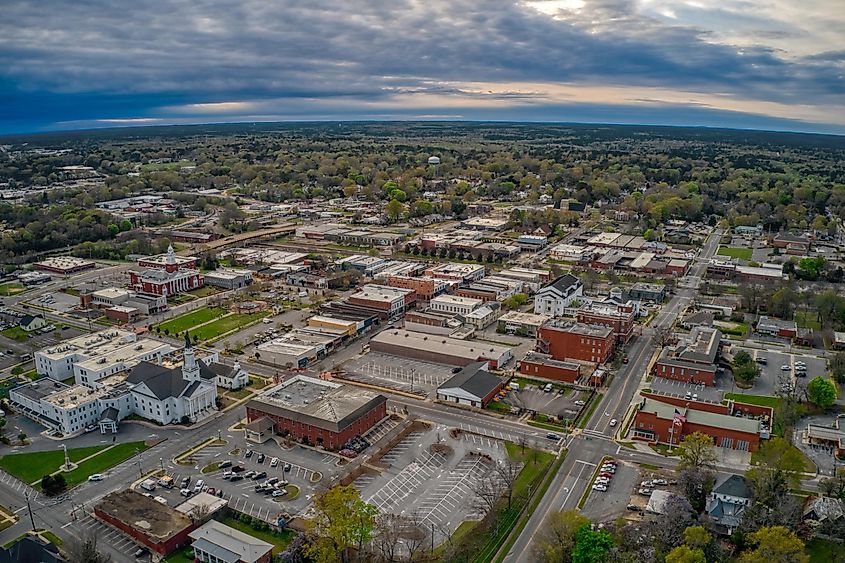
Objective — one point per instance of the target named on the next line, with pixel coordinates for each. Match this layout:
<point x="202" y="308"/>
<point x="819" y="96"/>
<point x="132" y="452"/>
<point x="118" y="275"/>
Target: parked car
<point x="236" y="477"/>
<point x="225" y="464"/>
<point x="552" y="436"/>
<point x="645" y="492"/>
<point x="287" y="467"/>
<point x="259" y="475"/>
<point x="279" y="493"/>
<point x="274" y="462"/>
<point x="598" y="487"/>
<point x="248" y="454"/>
<point x="238" y="468"/>
<point x="761" y="360"/>
<point x="185" y="492"/>
<point x="249" y="474"/>
<point x="607" y="474"/>
<point x="661" y="482"/>
<point x="227" y="475"/>
<point x="185" y="482"/>
<point x="634" y="508"/>
<point x="260" y="458"/>
<point x="96" y="477"/>
<point x="580" y="403"/>
<point x="785" y="367"/>
<point x="273" y="480"/>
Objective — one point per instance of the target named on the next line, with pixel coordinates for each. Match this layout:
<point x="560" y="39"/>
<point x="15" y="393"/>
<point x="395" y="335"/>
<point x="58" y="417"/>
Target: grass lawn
<point x="499" y="407"/>
<point x="759" y="400"/>
<point x="824" y="551"/>
<point x="226" y="324"/>
<point x="51" y="537"/>
<point x="31" y="374"/>
<point x="279" y="541"/>
<point x="809" y="466"/>
<point x="205" y="291"/>
<point x="806" y="319"/>
<point x="8" y="289"/>
<point x="211" y="468"/>
<point x="180" y="298"/>
<point x="258" y="382"/>
<point x="735" y="252"/>
<point x="33" y="466"/>
<point x="190" y="320"/>
<point x="16" y="333"/>
<point x="239" y="394"/>
<point x="104" y="461"/>
<point x="185" y="555"/>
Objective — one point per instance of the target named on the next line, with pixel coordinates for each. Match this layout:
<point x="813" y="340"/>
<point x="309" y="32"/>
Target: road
<point x="587" y="448"/>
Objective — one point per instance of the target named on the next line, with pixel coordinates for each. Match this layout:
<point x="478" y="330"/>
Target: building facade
<point x="556" y="298"/>
<point x="577" y="341"/>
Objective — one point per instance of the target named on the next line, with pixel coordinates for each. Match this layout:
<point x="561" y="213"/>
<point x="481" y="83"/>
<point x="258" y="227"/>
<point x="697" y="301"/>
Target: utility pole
<point x="29" y="507"/>
<point x="432" y="538"/>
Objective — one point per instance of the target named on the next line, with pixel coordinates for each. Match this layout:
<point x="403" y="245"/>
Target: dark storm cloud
<point x="120" y="59"/>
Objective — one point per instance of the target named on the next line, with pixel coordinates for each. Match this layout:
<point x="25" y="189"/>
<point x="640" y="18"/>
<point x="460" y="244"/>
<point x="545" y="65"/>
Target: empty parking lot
<point x="397" y="373"/>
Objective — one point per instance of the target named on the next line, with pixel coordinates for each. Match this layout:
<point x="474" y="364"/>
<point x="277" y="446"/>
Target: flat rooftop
<point x="227" y="274"/>
<point x="65" y="262"/>
<point x="89" y="344"/>
<point x="455" y="300"/>
<point x="373" y="292"/>
<point x="469" y="349"/>
<point x="74" y="396"/>
<point x="317" y="402"/>
<point x="111" y="293"/>
<point x="40" y="388"/>
<point x="524" y="318"/>
<point x="128" y="352"/>
<point x="144" y="514"/>
<point x="579" y="328"/>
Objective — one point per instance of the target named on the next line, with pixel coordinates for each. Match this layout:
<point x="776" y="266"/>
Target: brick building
<point x="318" y="412"/>
<point x="665" y="420"/>
<point x="392" y="301"/>
<point x="618" y="317"/>
<point x="169" y="262"/>
<point x="564" y="340"/>
<point x="426" y="288"/>
<point x="535" y="364"/>
<point x="164" y="282"/>
<point x="693" y="361"/>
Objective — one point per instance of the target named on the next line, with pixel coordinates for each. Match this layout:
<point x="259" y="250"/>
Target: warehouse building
<point x="439" y="349"/>
<point x="472" y="386"/>
<point x="64" y="265"/>
<point x="229" y="279"/>
<point x="318" y="412"/>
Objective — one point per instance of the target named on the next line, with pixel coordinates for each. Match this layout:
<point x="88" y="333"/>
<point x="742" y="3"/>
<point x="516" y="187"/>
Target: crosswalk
<point x="15" y="484"/>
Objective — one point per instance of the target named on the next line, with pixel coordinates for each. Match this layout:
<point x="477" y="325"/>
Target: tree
<point x="696" y="483"/>
<point x="22" y="437"/>
<point x="341" y="520"/>
<point x="821" y="392"/>
<point x="686" y="554"/>
<point x="85" y="550"/>
<point x="506" y="473"/>
<point x="53" y="485"/>
<point x="515" y="301"/>
<point x="745" y="369"/>
<point x="558" y="537"/>
<point x="698" y="451"/>
<point x="836" y="364"/>
<point x="591" y="546"/>
<point x="775" y="544"/>
<point x="394" y="210"/>
<point x="697" y="537"/>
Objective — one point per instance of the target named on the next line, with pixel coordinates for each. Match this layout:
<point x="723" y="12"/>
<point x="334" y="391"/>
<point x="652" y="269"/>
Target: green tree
<point x="821" y="392"/>
<point x="558" y="537"/>
<point x="341" y="520"/>
<point x="698" y="450"/>
<point x="113" y="229"/>
<point x="780" y="464"/>
<point x="745" y="369"/>
<point x="394" y="210"/>
<point x="515" y="301"/>
<point x="686" y="554"/>
<point x="22" y="437"/>
<point x="697" y="537"/>
<point x="125" y="225"/>
<point x="775" y="544"/>
<point x="591" y="546"/>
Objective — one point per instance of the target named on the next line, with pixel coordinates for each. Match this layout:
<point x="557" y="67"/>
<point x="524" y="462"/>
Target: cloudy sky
<point x="771" y="64"/>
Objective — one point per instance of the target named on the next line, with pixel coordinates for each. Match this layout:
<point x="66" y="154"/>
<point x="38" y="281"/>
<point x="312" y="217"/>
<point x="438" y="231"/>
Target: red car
<point x="606" y="474"/>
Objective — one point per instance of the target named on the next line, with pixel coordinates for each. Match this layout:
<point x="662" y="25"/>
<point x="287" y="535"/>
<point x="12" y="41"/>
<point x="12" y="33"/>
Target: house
<point x="554" y="299"/>
<point x="777" y="327"/>
<point x="31" y="323"/>
<point x="29" y="549"/>
<point x="473" y="386"/>
<point x="823" y="509"/>
<point x="698" y="318"/>
<point x="228" y="377"/>
<point x="730" y="496"/>
<point x="215" y="542"/>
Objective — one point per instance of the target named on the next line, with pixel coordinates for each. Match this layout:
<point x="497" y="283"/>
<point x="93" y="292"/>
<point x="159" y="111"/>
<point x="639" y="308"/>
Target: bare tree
<point x="85" y="550"/>
<point x="507" y="472"/>
<point x="386" y="537"/>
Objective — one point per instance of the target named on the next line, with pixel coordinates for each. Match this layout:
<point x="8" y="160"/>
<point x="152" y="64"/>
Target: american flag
<point x="678" y="418"/>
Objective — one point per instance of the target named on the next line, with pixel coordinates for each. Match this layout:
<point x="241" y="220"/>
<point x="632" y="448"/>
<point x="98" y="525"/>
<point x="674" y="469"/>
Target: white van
<point x="198" y="486"/>
<point x="548" y="388"/>
<point x="148" y="485"/>
<point x="514" y="386"/>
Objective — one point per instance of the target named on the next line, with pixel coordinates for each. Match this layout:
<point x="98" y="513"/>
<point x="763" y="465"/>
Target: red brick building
<point x="164" y="282"/>
<point x="169" y="262"/>
<point x="543" y="366"/>
<point x="618" y="317"/>
<point x="391" y="301"/>
<point x="318" y="412"/>
<point x="693" y="361"/>
<point x="165" y="529"/>
<point x="578" y="341"/>
<point x="426" y="288"/>
<point x="662" y="420"/>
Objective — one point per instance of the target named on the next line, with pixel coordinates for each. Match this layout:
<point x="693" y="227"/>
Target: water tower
<point x="433" y="160"/>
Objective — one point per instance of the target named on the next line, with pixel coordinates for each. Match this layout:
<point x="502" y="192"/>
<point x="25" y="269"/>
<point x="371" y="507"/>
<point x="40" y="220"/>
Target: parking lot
<point x="57" y="301"/>
<point x="771" y="373"/>
<point x="822" y="456"/>
<point x="429" y="477"/>
<point x="676" y="388"/>
<point x="307" y="467"/>
<point x="606" y="505"/>
<point x="533" y="398"/>
<point x="397" y="373"/>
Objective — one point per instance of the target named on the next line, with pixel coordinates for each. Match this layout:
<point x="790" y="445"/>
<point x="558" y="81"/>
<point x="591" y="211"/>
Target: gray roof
<point x="666" y="411"/>
<point x="163" y="381"/>
<point x="214" y="369"/>
<point x="229" y="544"/>
<point x="110" y="413"/>
<point x="565" y="283"/>
<point x="474" y="379"/>
<point x="734" y="486"/>
<point x="30" y="550"/>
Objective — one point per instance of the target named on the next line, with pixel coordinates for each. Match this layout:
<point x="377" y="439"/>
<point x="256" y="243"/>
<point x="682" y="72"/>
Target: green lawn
<point x="180" y="298"/>
<point x="226" y="324"/>
<point x="806" y="319"/>
<point x="190" y="320"/>
<point x="15" y="333"/>
<point x="31" y="374"/>
<point x="280" y="541"/>
<point x="31" y="467"/>
<point x="499" y="407"/>
<point x="735" y="252"/>
<point x="205" y="291"/>
<point x="11" y="288"/>
<point x="239" y="394"/>
<point x="104" y="461"/>
<point x="809" y="466"/>
<point x="759" y="400"/>
<point x="824" y="551"/>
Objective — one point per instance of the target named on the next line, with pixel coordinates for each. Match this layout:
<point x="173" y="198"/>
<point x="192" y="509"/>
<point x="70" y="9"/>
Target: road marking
<point x="586" y="462"/>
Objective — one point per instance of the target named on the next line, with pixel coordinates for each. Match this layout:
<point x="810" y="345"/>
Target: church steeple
<point x="190" y="367"/>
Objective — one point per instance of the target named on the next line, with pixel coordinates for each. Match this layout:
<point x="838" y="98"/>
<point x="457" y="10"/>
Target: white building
<point x="91" y="357"/>
<point x="482" y="317"/>
<point x="454" y="304"/>
<point x="228" y="377"/>
<point x="554" y="299"/>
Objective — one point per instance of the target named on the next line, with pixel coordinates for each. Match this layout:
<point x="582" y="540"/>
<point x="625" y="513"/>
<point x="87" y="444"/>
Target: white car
<point x="598" y="487"/>
<point x="580" y="403"/>
<point x="785" y="367"/>
<point x="602" y="481"/>
<point x="612" y="422"/>
<point x="96" y="477"/>
<point x="279" y="493"/>
<point x="274" y="462"/>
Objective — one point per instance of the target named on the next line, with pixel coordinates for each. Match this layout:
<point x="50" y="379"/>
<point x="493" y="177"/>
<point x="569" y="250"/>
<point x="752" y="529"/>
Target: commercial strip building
<point x="383" y="299"/>
<point x="64" y="265"/>
<point x="228" y="278"/>
<point x="318" y="412"/>
<point x="826" y="436"/>
<point x="439" y="349"/>
<point x="472" y="386"/>
<point x="667" y="420"/>
<point x="565" y="340"/>
<point x="693" y="361"/>
<point x="523" y="324"/>
<point x="453" y="304"/>
<point x="777" y="327"/>
<point x="463" y="273"/>
<point x="426" y="288"/>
